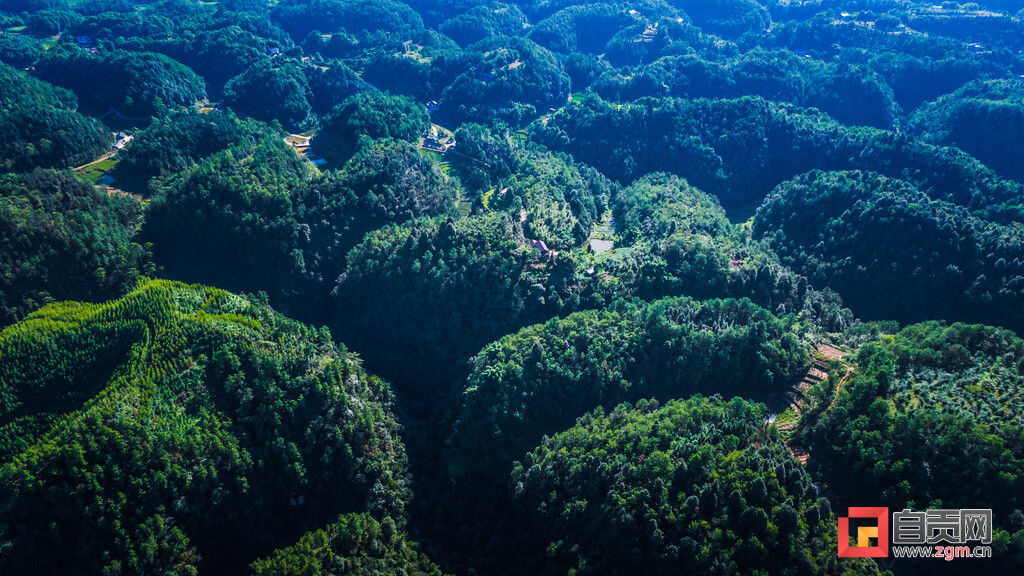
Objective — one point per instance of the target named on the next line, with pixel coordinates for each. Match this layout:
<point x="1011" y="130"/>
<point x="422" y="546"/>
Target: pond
<point x="599" y="246"/>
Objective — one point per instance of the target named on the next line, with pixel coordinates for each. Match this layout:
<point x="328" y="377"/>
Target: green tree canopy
<point x="696" y="486"/>
<point x="370" y="114"/>
<point x="183" y="427"/>
<point x="61" y="238"/>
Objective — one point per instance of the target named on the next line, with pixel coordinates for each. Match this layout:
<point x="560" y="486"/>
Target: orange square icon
<point x="863" y="547"/>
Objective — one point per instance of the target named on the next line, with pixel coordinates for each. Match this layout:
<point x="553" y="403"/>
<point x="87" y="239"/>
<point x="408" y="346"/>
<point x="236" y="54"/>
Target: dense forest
<point x="892" y="251"/>
<point x="541" y="379"/>
<point x="42" y="128"/>
<point x="176" y="427"/>
<point x="694" y="485"/>
<point x="940" y="405"/>
<point x="62" y="238"/>
<point x="489" y="288"/>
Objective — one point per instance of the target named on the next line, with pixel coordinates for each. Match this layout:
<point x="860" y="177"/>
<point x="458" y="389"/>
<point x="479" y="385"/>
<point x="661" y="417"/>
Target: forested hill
<point x="502" y="287"/>
<point x="183" y="427"/>
<point x="892" y="251"/>
<point x="739" y="149"/>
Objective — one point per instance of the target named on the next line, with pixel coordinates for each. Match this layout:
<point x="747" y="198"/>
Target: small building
<point x="123" y="139"/>
<point x="541" y="247"/>
<point x="274" y="51"/>
<point x="83" y="40"/>
<point x="431" y="143"/>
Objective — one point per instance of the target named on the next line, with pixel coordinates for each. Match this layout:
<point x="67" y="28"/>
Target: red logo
<point x="863" y="547"/>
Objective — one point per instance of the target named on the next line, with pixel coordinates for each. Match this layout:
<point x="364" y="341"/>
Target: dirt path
<point x="111" y="191"/>
<point x="842" y="382"/>
<point x="106" y="156"/>
<point x="816" y="374"/>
